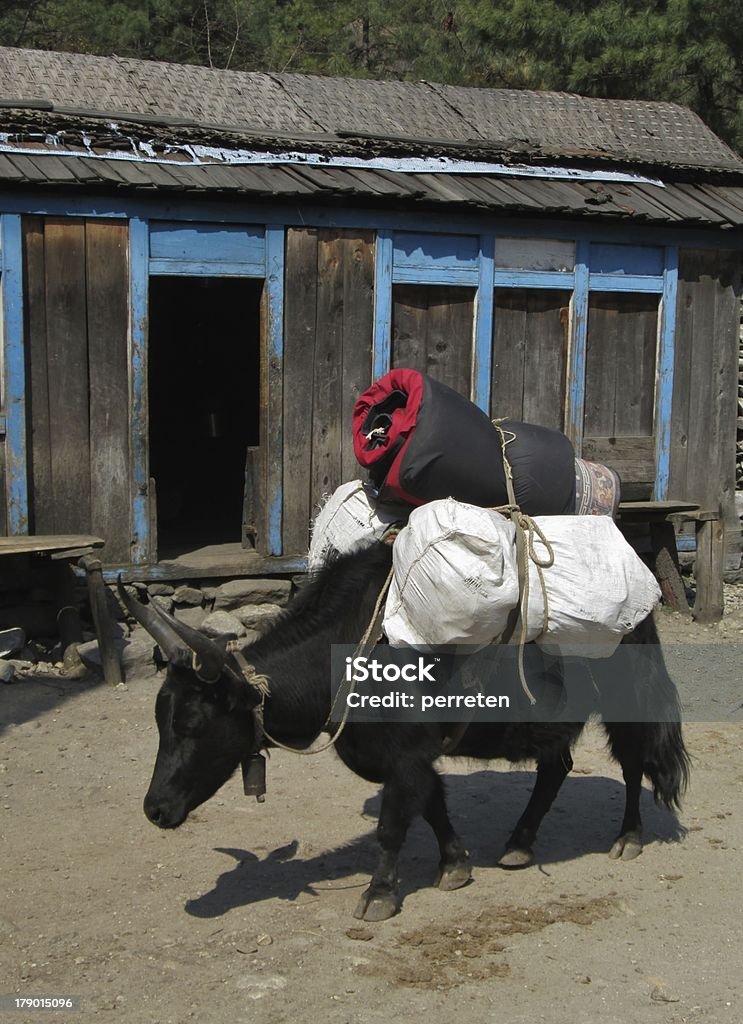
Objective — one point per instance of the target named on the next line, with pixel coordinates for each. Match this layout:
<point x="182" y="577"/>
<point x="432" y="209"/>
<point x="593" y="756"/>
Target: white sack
<point x="455" y="577"/>
<point x="346" y="520"/>
<point x="598" y="589"/>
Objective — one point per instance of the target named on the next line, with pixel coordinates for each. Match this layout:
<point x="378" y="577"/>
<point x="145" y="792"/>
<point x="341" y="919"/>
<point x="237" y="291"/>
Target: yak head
<point x="204" y="712"/>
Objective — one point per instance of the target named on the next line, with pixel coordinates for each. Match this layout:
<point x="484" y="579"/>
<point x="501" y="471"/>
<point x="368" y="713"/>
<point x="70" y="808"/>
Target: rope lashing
<point x="526" y="532"/>
<point x="262" y="682"/>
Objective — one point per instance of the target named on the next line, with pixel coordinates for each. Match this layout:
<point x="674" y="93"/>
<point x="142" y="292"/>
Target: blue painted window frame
<point x="396" y="264"/>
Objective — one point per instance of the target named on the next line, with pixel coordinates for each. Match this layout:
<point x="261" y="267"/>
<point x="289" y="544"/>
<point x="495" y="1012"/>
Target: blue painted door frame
<point x="182" y="249"/>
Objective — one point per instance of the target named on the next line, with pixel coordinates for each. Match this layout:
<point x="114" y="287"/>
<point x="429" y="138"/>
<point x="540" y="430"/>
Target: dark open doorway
<point x="204" y="397"/>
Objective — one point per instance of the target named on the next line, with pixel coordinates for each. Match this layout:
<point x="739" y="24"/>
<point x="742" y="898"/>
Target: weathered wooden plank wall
<point x="703" y="419"/>
<point x="108" y="311"/>
<point x="78" y="382"/>
<point x="432" y="328"/>
<point x="328" y="327"/>
<point x="530" y="341"/>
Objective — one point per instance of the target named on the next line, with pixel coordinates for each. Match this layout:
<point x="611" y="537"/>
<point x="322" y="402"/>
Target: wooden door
<point x="76" y="328"/>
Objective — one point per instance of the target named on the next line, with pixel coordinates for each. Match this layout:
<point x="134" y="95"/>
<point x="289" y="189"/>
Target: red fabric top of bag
<point x="410" y="382"/>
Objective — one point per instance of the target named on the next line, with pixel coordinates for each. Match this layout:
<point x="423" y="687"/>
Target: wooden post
<point x="667" y="571"/>
<point x="709" y="604"/>
<point x="102" y="619"/>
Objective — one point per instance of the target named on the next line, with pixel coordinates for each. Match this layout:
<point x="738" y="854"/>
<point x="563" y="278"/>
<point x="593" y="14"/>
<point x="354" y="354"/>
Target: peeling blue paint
<point x="382" y="342"/>
<point x="664" y="376"/>
<point x="482" y="355"/>
<point x="142" y="543"/>
<point x="11" y="286"/>
<point x="576" y="375"/>
<point x="274" y="441"/>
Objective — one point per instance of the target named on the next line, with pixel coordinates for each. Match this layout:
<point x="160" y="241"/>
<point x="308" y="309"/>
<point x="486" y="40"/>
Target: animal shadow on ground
<point x="485" y="806"/>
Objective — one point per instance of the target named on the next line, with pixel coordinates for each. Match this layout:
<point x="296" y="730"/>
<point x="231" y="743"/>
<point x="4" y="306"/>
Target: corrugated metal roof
<point x="291" y="107"/>
<point x="704" y="205"/>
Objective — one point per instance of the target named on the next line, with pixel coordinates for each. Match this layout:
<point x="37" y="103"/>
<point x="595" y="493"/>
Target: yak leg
<point x="381" y="899"/>
<point x="455" y="869"/>
<point x="415" y="789"/>
<point x="551" y="773"/>
<point x="626" y="741"/>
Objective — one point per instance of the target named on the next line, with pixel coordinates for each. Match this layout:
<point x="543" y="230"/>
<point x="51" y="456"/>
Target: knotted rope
<point x="526" y="532"/>
<point x="262" y="682"/>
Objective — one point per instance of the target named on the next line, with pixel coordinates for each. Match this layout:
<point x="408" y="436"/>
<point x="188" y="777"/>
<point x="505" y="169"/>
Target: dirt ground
<point x="244" y="914"/>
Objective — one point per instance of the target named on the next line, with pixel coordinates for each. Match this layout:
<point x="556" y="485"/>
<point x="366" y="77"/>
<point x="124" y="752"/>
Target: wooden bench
<point x="81" y="549"/>
<point x="663" y="517"/>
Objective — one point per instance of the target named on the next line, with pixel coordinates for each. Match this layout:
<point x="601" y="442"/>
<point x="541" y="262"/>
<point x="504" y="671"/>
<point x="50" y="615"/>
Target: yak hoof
<point x="515" y="858"/>
<point x="626" y="847"/>
<point x="454" y="876"/>
<point x="376" y="906"/>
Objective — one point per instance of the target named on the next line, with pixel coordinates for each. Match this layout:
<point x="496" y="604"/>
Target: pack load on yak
<point x="421" y="440"/>
<point x="509" y="537"/>
<point x="456" y="581"/>
<point x="349" y="518"/>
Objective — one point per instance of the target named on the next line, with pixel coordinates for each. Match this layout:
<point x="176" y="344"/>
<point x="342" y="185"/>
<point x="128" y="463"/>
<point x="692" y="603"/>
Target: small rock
<point x="257" y="616"/>
<point x="264" y="940"/>
<point x="7" y="672"/>
<point x="221" y="623"/>
<point x="359" y="934"/>
<point x="160" y="590"/>
<point x="238" y="593"/>
<point x="135" y="654"/>
<point x="163" y="601"/>
<point x="660" y="994"/>
<point x="191" y="596"/>
<point x="191" y="616"/>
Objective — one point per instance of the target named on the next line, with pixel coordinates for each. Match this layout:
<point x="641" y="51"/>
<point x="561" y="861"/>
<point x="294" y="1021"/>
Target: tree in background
<point x="687" y="51"/>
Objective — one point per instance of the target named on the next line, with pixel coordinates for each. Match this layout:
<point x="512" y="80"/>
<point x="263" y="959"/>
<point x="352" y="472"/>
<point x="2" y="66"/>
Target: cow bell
<point x="254" y="776"/>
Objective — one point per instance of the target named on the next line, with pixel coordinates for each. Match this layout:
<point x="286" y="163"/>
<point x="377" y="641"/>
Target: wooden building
<point x="202" y="269"/>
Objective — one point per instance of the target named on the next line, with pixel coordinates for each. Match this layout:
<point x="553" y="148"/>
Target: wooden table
<point x="663" y="517"/>
<point x="80" y="548"/>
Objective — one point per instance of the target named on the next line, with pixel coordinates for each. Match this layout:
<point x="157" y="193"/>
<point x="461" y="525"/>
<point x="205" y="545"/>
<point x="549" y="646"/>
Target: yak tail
<point x="665" y="759"/>
<point x="666" y="762"/>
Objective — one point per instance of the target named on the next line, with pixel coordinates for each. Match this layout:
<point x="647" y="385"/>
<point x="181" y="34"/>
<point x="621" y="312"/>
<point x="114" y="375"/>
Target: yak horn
<point x="146" y="616"/>
<point x="209" y="658"/>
